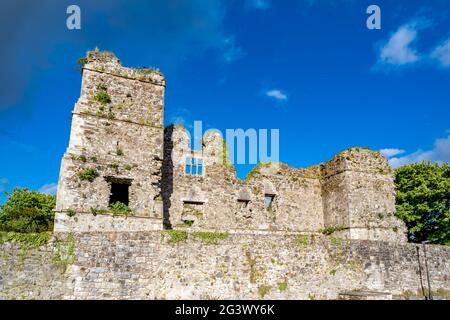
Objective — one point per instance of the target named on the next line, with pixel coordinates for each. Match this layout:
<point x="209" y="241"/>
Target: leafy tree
<point x="27" y="211"/>
<point x="423" y="201"/>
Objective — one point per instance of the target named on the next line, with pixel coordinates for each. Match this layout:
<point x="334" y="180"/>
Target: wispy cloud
<point x="258" y="4"/>
<point x="277" y="94"/>
<point x="49" y="188"/>
<point x="390" y="152"/>
<point x="439" y="153"/>
<point x="399" y="50"/>
<point x="231" y="52"/>
<point x="442" y="53"/>
<point x="3" y="183"/>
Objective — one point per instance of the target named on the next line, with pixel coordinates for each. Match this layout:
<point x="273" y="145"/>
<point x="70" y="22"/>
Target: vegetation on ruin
<point x="148" y="70"/>
<point x="26" y="241"/>
<point x="423" y="201"/>
<point x="282" y="286"/>
<point x="331" y="229"/>
<point x="29" y="240"/>
<point x="210" y="237"/>
<point x="302" y="240"/>
<point x="255" y="170"/>
<point x="64" y="250"/>
<point x="263" y="290"/>
<point x="97" y="53"/>
<point x="188" y="223"/>
<point x="71" y="212"/>
<point x="81" y="62"/>
<point x="119" y="208"/>
<point x="174" y="236"/>
<point x="88" y="174"/>
<point x="95" y="211"/>
<point x="119" y="151"/>
<point x="103" y="97"/>
<point x="254" y="274"/>
<point x="27" y="211"/>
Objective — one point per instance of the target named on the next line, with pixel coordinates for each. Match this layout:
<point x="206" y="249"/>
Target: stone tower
<point x="115" y="150"/>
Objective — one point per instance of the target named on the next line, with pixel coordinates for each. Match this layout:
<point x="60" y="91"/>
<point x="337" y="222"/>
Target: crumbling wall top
<point x="107" y="62"/>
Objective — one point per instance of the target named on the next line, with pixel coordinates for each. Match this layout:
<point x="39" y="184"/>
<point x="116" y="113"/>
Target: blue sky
<point x="310" y="68"/>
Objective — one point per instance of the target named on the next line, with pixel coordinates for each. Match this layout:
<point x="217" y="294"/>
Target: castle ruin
<point x="132" y="158"/>
<point x="140" y="215"/>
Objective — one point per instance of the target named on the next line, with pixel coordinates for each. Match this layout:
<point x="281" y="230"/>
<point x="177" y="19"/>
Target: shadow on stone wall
<point x="167" y="176"/>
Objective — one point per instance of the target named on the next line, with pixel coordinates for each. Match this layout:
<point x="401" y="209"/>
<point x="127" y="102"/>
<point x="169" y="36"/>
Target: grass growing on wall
<point x="26" y="241"/>
<point x="174" y="236"/>
<point x="64" y="252"/>
<point x="210" y="237"/>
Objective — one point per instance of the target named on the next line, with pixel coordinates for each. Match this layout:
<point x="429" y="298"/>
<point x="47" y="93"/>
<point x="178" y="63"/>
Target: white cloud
<point x="397" y="50"/>
<point x="231" y="52"/>
<point x="49" y="188"/>
<point x="258" y="4"/>
<point x="3" y="183"/>
<point x="442" y="53"/>
<point x="440" y="153"/>
<point x="276" y="94"/>
<point x="390" y="152"/>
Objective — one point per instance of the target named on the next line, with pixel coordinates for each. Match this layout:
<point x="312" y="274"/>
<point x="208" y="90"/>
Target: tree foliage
<point x="27" y="211"/>
<point x="423" y="201"/>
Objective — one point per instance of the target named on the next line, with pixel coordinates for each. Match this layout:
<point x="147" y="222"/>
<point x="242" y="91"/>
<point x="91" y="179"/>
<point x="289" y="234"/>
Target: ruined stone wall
<point x="217" y="199"/>
<point x="352" y="194"/>
<point x="358" y="195"/>
<point x="160" y="265"/>
<point x="117" y="134"/>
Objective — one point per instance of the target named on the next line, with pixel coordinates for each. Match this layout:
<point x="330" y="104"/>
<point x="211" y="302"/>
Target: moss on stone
<point x="64" y="250"/>
<point x="174" y="236"/>
<point x="263" y="290"/>
<point x="210" y="237"/>
<point x="282" y="286"/>
<point x="302" y="240"/>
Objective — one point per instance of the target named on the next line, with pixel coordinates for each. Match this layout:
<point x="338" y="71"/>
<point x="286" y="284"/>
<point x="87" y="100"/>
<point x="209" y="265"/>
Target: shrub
<point x="119" y="208"/>
<point x="103" y="97"/>
<point x="88" y="174"/>
<point x="27" y="211"/>
<point x="81" y="62"/>
<point x="71" y="212"/>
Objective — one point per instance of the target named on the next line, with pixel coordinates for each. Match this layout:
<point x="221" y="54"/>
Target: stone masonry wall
<point x="158" y="265"/>
<point x="353" y="192"/>
<point x="117" y="131"/>
<point x="218" y="200"/>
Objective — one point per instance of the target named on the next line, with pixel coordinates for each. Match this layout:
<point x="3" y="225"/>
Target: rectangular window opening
<point x="268" y="200"/>
<point x="243" y="203"/>
<point x="120" y="191"/>
<point x="194" y="166"/>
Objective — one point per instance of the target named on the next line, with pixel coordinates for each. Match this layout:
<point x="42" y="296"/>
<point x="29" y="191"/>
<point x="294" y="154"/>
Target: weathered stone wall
<point x="217" y="199"/>
<point x="117" y="136"/>
<point x="117" y="131"/>
<point x="353" y="192"/>
<point x="161" y="265"/>
<point x="358" y="194"/>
